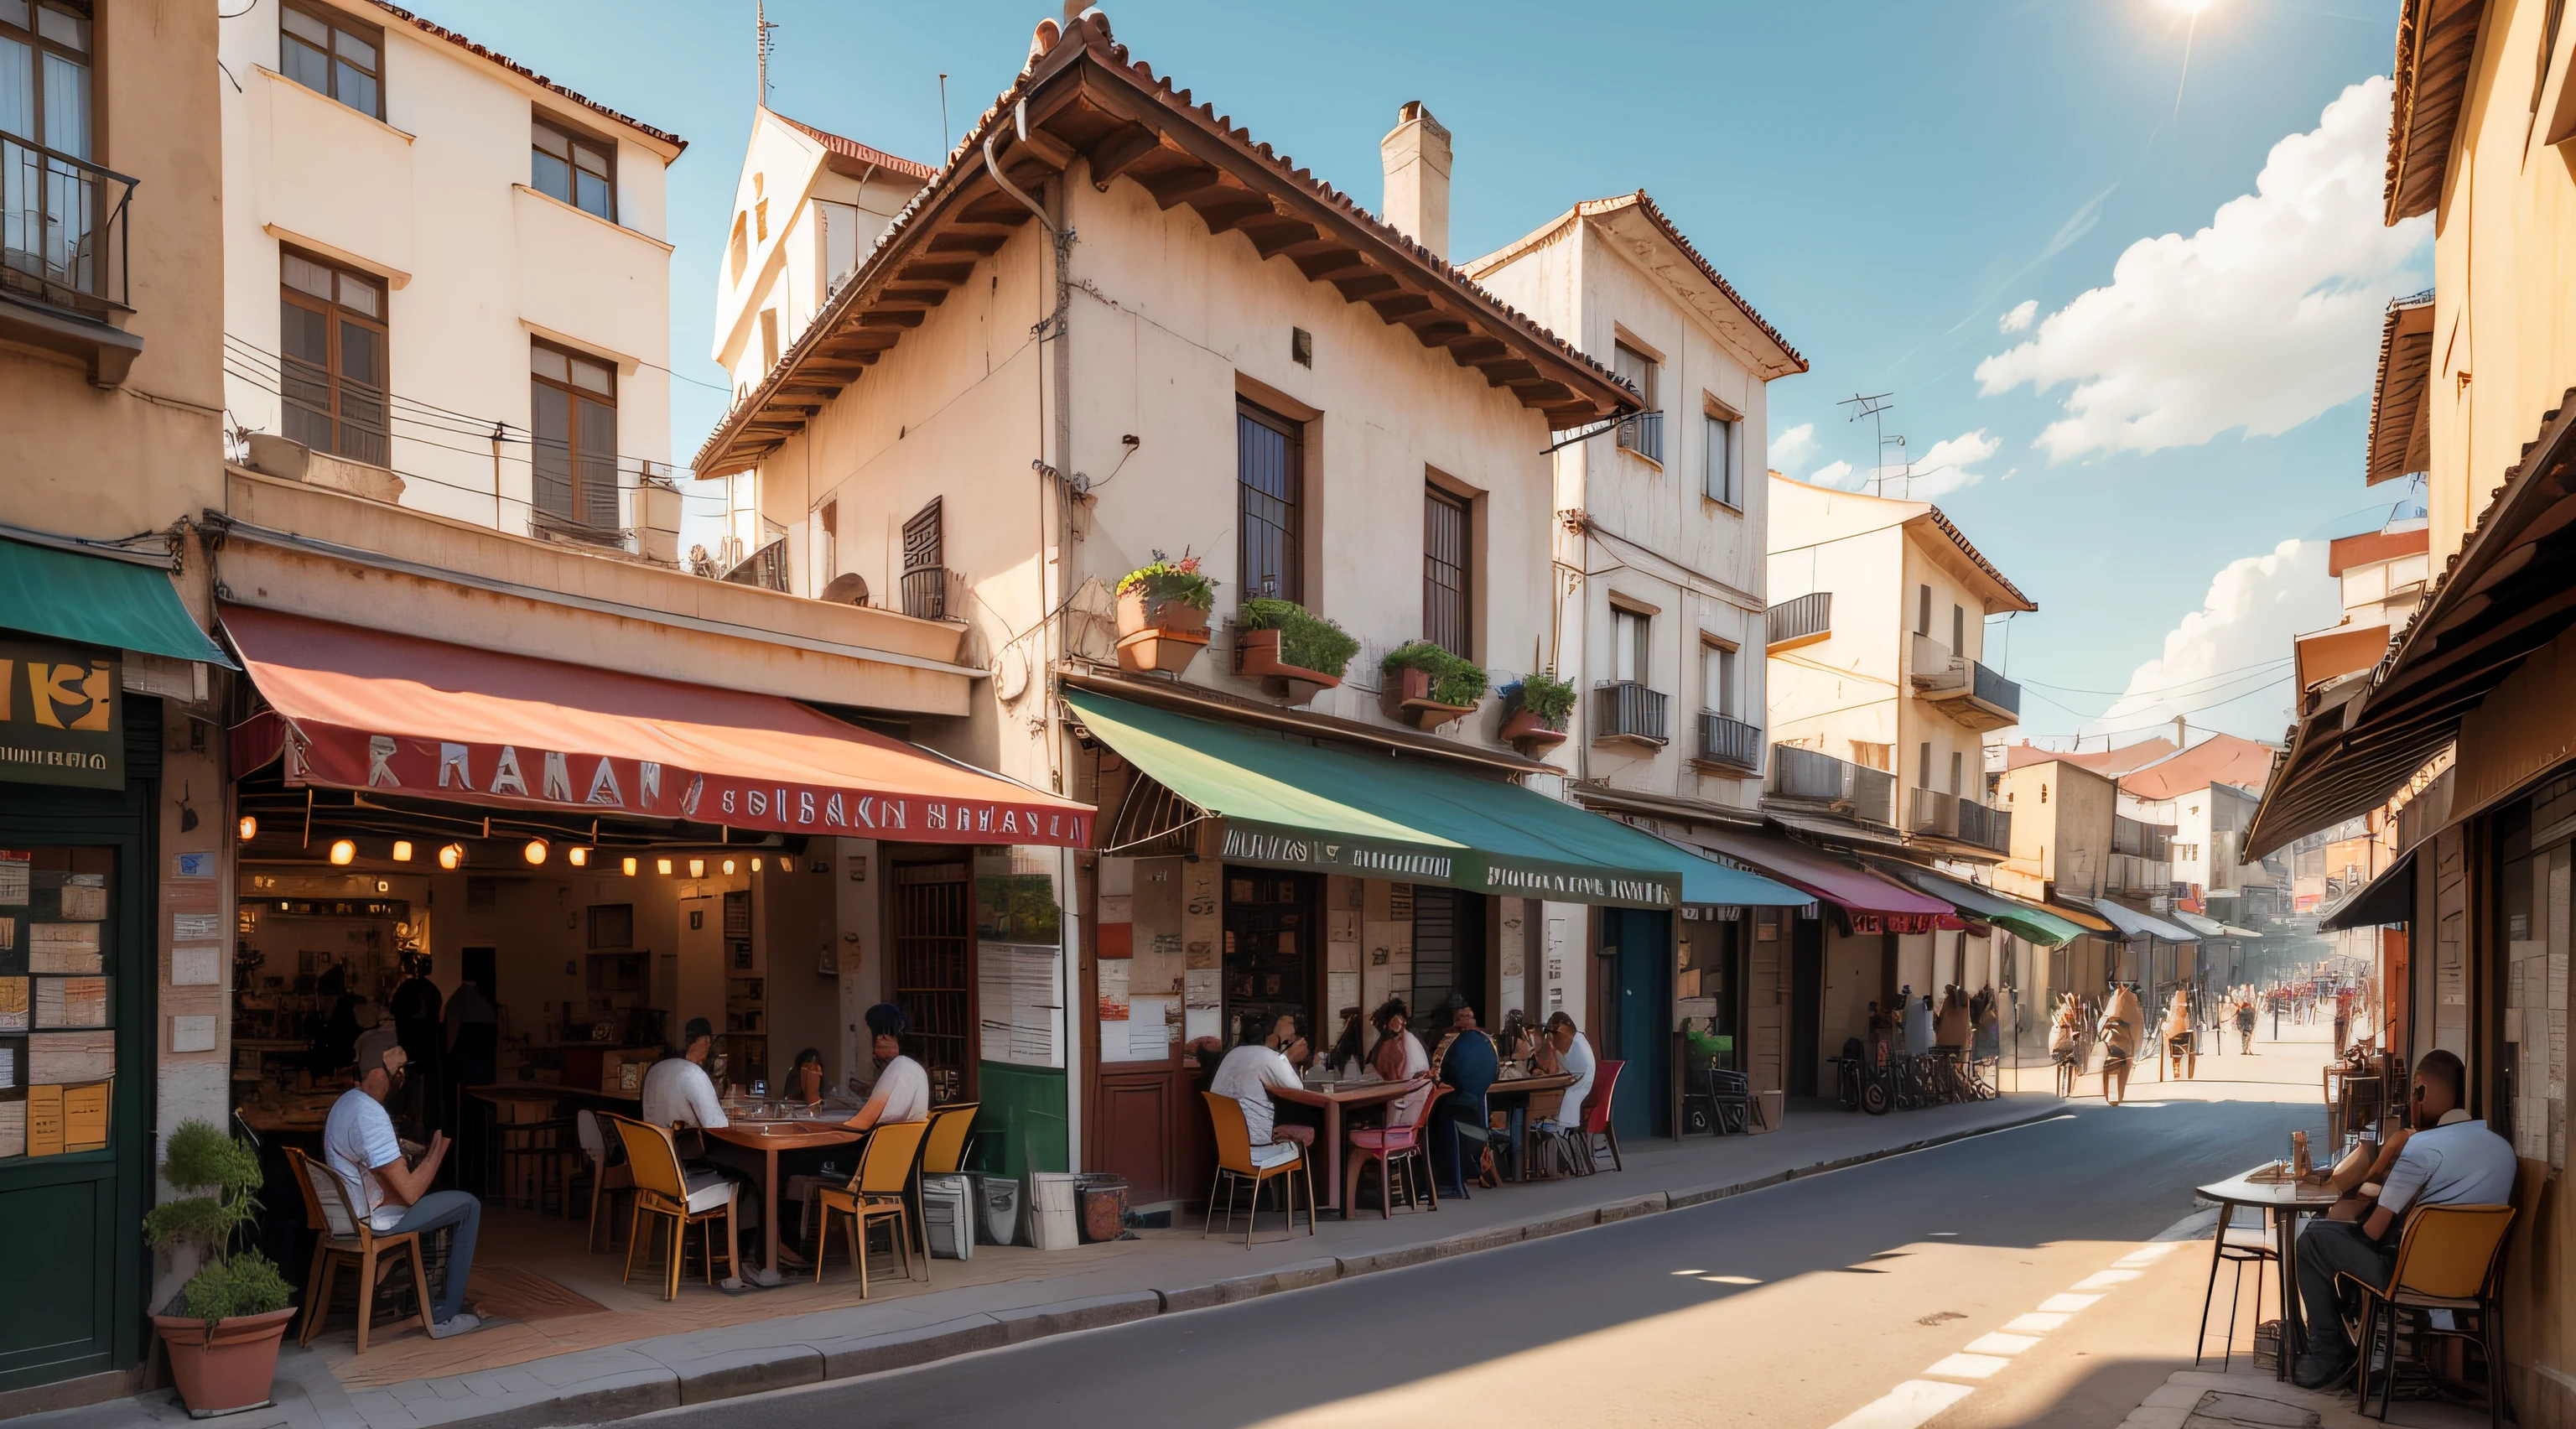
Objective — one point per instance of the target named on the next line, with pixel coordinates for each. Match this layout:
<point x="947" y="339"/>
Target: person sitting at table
<point x="1562" y="1049"/>
<point x="1258" y="1063"/>
<point x="1346" y="1058"/>
<point x="902" y="1090"/>
<point x="359" y="1145"/>
<point x="805" y="1077"/>
<point x="1398" y="1056"/>
<point x="2451" y="1160"/>
<point x="1468" y="1066"/>
<point x="681" y="1098"/>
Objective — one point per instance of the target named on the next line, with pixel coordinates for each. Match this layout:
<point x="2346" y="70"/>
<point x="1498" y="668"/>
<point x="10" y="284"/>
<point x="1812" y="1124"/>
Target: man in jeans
<point x="2450" y="1160"/>
<point x="359" y="1144"/>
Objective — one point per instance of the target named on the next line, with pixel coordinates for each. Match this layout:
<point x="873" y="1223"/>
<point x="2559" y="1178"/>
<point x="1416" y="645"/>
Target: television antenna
<point x="1876" y="408"/>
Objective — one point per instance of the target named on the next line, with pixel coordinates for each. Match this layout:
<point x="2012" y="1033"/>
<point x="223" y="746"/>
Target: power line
<point x="2159" y="689"/>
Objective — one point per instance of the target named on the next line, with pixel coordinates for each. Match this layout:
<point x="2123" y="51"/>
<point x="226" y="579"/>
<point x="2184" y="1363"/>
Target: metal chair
<point x="1234" y="1159"/>
<point x="1585" y="1137"/>
<point x="532" y="1157"/>
<point x="1731" y="1103"/>
<point x="344" y="1237"/>
<point x="876" y="1193"/>
<point x="665" y="1192"/>
<point x="2237" y="1248"/>
<point x="2450" y="1258"/>
<point x="1390" y="1146"/>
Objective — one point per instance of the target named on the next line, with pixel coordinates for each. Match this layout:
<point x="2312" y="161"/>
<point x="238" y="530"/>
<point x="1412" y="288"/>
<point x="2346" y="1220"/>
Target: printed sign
<point x="61" y="716"/>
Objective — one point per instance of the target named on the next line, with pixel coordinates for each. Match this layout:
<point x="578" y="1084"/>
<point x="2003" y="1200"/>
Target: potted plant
<point x="1163" y="608"/>
<point x="1290" y="648"/>
<point x="1537" y="706"/>
<point x="223" y="1348"/>
<point x="1427" y="686"/>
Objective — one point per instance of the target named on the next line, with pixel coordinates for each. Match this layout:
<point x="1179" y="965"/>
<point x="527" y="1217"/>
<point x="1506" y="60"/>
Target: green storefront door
<point x="73" y="1269"/>
<point x="1644" y="971"/>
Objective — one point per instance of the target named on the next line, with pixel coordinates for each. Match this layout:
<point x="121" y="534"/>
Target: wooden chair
<point x="1389" y="1146"/>
<point x="343" y="1237"/>
<point x="1234" y="1159"/>
<point x="2450" y="1258"/>
<point x="876" y="1193"/>
<point x="662" y="1191"/>
<point x="606" y="1181"/>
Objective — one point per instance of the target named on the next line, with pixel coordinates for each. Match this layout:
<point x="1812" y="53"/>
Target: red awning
<point x="1870" y="902"/>
<point x="394" y="714"/>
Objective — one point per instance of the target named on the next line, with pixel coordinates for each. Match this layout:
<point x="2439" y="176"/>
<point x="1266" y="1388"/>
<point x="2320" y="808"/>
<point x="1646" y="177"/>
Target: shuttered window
<point x="1447" y="619"/>
<point x="1270" y="479"/>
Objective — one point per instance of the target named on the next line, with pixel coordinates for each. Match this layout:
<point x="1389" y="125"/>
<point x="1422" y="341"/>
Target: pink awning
<point x="395" y="714"/>
<point x="1870" y="902"/>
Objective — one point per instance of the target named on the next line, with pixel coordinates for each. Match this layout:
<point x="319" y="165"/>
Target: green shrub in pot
<point x="1546" y="696"/>
<point x="228" y="1284"/>
<point x="1306" y="640"/>
<point x="1166" y="579"/>
<point x="1455" y="680"/>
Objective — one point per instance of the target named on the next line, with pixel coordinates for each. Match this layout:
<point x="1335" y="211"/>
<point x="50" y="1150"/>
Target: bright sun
<point x="2188" y="7"/>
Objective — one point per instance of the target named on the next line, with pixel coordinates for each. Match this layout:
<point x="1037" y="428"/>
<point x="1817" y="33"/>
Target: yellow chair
<point x="2450" y="1258"/>
<point x="1234" y="1158"/>
<point x="875" y="1193"/>
<point x="662" y="1191"/>
<point x="943" y="1153"/>
<point x="343" y="1237"/>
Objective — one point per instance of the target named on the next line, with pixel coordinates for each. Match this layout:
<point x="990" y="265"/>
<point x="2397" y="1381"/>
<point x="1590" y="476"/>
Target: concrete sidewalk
<point x="2250" y="1396"/>
<point x="1057" y="1292"/>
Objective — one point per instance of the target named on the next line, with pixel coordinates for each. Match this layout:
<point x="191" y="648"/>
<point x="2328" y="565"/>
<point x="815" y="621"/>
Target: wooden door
<point x="930" y="939"/>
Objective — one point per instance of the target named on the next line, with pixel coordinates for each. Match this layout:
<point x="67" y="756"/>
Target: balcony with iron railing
<point x="1961" y="820"/>
<point x="1815" y="780"/>
<point x="1967" y="692"/>
<point x="1724" y="739"/>
<point x="925" y="592"/>
<point x="63" y="256"/>
<point x="1644" y="435"/>
<point x="1629" y="711"/>
<point x="2141" y="839"/>
<point x="1802" y="621"/>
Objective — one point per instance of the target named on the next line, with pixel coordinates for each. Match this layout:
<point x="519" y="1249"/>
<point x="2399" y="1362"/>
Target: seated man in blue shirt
<point x="1468" y="1066"/>
<point x="2450" y="1160"/>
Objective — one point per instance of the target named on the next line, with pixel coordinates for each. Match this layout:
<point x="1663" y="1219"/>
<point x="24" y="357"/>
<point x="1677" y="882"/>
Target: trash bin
<point x="1101" y="1198"/>
<point x="948" y="1217"/>
<point x="1053" y="1224"/>
<point x="997" y="1208"/>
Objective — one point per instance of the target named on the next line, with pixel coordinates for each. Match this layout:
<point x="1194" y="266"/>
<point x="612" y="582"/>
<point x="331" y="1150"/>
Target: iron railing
<point x="1987" y="828"/>
<point x="1804" y="618"/>
<point x="1724" y="739"/>
<point x="2145" y="840"/>
<point x="62" y="226"/>
<point x="1935" y="813"/>
<point x="1808" y="776"/>
<point x="925" y="592"/>
<point x="1625" y="709"/>
<point x="765" y="568"/>
<point x="1644" y="434"/>
<point x="1990" y="688"/>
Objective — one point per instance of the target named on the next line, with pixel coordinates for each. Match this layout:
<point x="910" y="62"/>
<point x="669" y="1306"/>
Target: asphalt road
<point x="1797" y="1305"/>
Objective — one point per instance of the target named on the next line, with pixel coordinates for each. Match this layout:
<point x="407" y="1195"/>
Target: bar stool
<point x="532" y="1155"/>
<point x="2236" y="1248"/>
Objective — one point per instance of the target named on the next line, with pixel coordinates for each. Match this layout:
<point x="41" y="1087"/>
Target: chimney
<point x="1416" y="156"/>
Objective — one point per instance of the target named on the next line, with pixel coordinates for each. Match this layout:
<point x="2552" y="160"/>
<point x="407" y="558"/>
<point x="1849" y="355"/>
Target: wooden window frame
<point x="1636" y="644"/>
<point x="1290" y="524"/>
<point x="1632" y="436"/>
<point x="1726" y="660"/>
<point x="580" y="472"/>
<point x="86" y="57"/>
<point x="575" y="141"/>
<point x="337" y="20"/>
<point x="1446" y="581"/>
<point x="1722" y="466"/>
<point x="334" y="379"/>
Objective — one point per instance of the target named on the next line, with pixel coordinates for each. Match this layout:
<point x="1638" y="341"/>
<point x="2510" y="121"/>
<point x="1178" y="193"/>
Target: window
<point x="1870" y="755"/>
<point x="760" y="220"/>
<point x="1269" y="503"/>
<point x="925" y="565"/>
<point x="332" y="336"/>
<point x="48" y="208"/>
<point x="739" y="250"/>
<point x="1923" y="610"/>
<point x="1630" y="655"/>
<point x="1446" y="577"/>
<point x="328" y="53"/>
<point x="575" y="418"/>
<point x="1642" y="434"/>
<point x="1725" y="461"/>
<point x="1959" y="631"/>
<point x="769" y="339"/>
<point x="1923" y="767"/>
<point x="1958" y="772"/>
<point x="1717" y="678"/>
<point x="829" y="519"/>
<point x="580" y="171"/>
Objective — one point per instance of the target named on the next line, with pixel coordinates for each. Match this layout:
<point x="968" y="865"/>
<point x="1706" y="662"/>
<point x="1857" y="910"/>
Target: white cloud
<point x="2019" y="318"/>
<point x="1834" y="474"/>
<point x="2221" y="667"/>
<point x="1793" y="446"/>
<point x="1938" y="472"/>
<point x="2261" y="320"/>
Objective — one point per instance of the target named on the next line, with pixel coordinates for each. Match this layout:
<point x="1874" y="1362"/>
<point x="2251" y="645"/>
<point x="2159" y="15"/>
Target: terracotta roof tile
<point x="513" y="66"/>
<point x="853" y="149"/>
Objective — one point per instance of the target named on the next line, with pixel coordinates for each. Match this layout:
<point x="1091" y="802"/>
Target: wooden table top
<point x="784" y="1135"/>
<point x="545" y="1091"/>
<point x="1524" y="1086"/>
<point x="1348" y="1093"/>
<point x="2279" y="1195"/>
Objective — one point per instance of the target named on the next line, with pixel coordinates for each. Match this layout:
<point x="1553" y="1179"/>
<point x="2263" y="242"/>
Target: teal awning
<point x="2036" y="925"/>
<point x="1288" y="804"/>
<point x="98" y="600"/>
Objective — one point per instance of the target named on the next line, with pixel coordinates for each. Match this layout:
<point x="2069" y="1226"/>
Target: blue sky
<point x="1886" y="182"/>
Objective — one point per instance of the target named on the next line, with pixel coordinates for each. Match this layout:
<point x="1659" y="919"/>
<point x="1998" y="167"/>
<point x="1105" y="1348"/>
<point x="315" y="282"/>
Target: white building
<point x="445" y="276"/>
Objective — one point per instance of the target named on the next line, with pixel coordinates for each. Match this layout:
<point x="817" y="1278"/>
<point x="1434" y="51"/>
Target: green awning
<point x="1293" y="805"/>
<point x="98" y="600"/>
<point x="2036" y="925"/>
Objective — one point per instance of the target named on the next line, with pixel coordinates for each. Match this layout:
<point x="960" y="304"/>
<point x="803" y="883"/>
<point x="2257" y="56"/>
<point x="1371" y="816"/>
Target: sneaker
<point x="463" y="1322"/>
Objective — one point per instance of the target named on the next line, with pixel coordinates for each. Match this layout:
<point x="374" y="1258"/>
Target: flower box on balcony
<point x="1169" y="615"/>
<point x="1292" y="651"/>
<point x="1531" y="735"/>
<point x="1162" y="615"/>
<point x="1427" y="687"/>
<point x="1407" y="696"/>
<point x="1256" y="656"/>
<point x="1169" y="651"/>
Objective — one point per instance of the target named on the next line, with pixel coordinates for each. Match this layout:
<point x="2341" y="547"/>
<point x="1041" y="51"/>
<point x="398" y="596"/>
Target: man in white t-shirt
<point x="1574" y="1055"/>
<point x="359" y="1145"/>
<point x="902" y="1090"/>
<point x="1248" y="1073"/>
<point x="680" y="1097"/>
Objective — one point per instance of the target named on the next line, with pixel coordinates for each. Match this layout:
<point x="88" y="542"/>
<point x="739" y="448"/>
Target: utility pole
<point x="761" y="45"/>
<point x="1874" y="408"/>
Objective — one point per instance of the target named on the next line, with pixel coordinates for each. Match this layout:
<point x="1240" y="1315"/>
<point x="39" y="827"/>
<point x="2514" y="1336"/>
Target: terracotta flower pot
<point x="1256" y="653"/>
<point x="1138" y="613"/>
<point x="1529" y="734"/>
<point x="228" y="1368"/>
<point x="1406" y="695"/>
<point x="1169" y="651"/>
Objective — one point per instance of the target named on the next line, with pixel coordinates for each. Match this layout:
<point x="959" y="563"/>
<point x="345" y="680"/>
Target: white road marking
<point x="2105" y="1280"/>
<point x="1968" y="1366"/>
<point x="1690" y="1272"/>
<point x="1907" y="1406"/>
<point x="1999" y="1343"/>
<point x="2068" y="1304"/>
<point x="1730" y="1280"/>
<point x="2146" y="1255"/>
<point x="2037" y="1322"/>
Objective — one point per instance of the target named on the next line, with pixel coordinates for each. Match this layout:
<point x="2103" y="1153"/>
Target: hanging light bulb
<point x="630" y="867"/>
<point x="343" y="850"/>
<point x="755" y="863"/>
<point x="728" y="867"/>
<point x="580" y="857"/>
<point x="535" y="852"/>
<point x="451" y="855"/>
<point x="662" y="866"/>
<point x="697" y="868"/>
<point x="249" y="828"/>
<point x="402" y="850"/>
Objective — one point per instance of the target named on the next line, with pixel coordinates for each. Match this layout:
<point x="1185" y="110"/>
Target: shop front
<point x="1245" y="873"/>
<point x="103" y="855"/>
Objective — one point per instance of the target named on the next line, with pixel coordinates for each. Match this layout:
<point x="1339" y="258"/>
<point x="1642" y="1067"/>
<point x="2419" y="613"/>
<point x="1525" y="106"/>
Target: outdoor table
<point x="1335" y="1098"/>
<point x="769" y="1138"/>
<point x="1517" y="1091"/>
<point x="2287" y="1201"/>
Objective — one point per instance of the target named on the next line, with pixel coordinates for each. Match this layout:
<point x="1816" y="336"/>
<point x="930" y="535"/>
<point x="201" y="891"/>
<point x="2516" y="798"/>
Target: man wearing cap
<point x="359" y="1145"/>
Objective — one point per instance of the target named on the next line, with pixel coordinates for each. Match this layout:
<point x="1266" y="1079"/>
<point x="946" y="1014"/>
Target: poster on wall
<point x="1020" y="1002"/>
<point x="61" y="717"/>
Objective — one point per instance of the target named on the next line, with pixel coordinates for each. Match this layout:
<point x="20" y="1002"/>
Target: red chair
<point x="1595" y="1126"/>
<point x="1392" y="1146"/>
